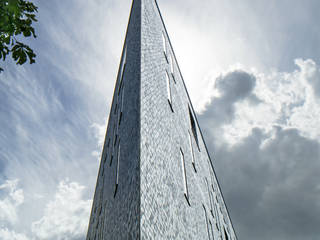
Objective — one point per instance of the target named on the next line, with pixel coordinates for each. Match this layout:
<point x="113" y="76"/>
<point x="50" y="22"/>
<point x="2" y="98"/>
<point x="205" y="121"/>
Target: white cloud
<point x="288" y="99"/>
<point x="13" y="198"/>
<point x="310" y="73"/>
<point x="99" y="131"/>
<point x="6" y="234"/>
<point x="66" y="216"/>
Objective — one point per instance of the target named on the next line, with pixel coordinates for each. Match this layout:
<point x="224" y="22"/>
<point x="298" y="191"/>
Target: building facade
<point x="156" y="179"/>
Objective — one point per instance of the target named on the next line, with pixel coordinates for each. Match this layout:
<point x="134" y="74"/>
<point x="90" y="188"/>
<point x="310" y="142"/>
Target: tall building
<point x="156" y="179"/>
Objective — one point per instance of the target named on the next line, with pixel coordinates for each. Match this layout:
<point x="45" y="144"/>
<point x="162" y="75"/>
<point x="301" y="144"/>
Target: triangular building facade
<point x="156" y="179"/>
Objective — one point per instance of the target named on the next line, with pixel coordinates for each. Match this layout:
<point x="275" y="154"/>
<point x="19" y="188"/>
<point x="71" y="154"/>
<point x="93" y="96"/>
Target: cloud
<point x="12" y="198"/>
<point x="6" y="234"/>
<point x="66" y="216"/>
<point x="99" y="131"/>
<point x="273" y="98"/>
<point x="270" y="181"/>
<point x="311" y="73"/>
<point x="233" y="87"/>
<point x="47" y="108"/>
<point x="268" y="158"/>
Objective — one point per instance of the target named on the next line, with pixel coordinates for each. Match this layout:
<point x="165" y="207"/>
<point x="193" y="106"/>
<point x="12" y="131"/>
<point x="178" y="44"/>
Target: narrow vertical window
<point x="114" y="143"/>
<point x="114" y="133"/>
<point x="185" y="185"/>
<point x="209" y="195"/>
<point x="105" y="158"/>
<point x="121" y="106"/>
<point x="217" y="217"/>
<point x="122" y="68"/>
<point x="191" y="152"/>
<point x="117" y="172"/>
<point x="115" y="139"/>
<point x="100" y="210"/>
<point x="211" y="229"/>
<point x="169" y="90"/>
<point x="193" y="128"/>
<point x="172" y="68"/>
<point x="171" y="64"/>
<point x="226" y="234"/>
<point x="115" y="108"/>
<point x="164" y="44"/>
<point x="207" y="223"/>
<point x="97" y="224"/>
<point x="212" y="202"/>
<point x="111" y="160"/>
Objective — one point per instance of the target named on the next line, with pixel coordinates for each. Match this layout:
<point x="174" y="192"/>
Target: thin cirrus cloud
<point x="50" y="114"/>
<point x="258" y="107"/>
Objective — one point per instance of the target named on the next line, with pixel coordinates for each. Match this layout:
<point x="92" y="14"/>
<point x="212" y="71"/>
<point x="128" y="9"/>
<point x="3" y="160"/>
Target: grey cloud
<point x="270" y="182"/>
<point x="233" y="87"/>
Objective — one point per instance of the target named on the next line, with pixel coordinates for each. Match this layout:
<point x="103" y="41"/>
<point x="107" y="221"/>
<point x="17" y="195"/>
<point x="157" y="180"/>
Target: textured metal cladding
<point x="165" y="211"/>
<point x="120" y="203"/>
<point x="162" y="185"/>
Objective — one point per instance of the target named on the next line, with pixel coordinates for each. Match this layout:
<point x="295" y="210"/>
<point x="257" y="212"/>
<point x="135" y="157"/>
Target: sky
<point x="252" y="69"/>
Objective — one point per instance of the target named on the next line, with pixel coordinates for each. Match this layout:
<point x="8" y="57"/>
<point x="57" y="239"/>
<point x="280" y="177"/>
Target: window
<point x="192" y="153"/>
<point x="172" y="68"/>
<point x="115" y="139"/>
<point x="171" y="64"/>
<point x="105" y="159"/>
<point x="121" y="107"/>
<point x="209" y="195"/>
<point x="97" y="225"/>
<point x="120" y="117"/>
<point x="117" y="172"/>
<point x="207" y="223"/>
<point x="226" y="234"/>
<point x="115" y="108"/>
<point x="115" y="135"/>
<point x="217" y="217"/>
<point x="211" y="230"/>
<point x="169" y="90"/>
<point x="100" y="210"/>
<point x="122" y="68"/>
<point x="114" y="132"/>
<point x="185" y="186"/>
<point x="193" y="127"/>
<point x="211" y="198"/>
<point x="164" y="45"/>
<point x="111" y="160"/>
<point x="224" y="219"/>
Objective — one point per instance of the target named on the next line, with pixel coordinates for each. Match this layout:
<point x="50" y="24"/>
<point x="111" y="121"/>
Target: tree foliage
<point x="16" y="18"/>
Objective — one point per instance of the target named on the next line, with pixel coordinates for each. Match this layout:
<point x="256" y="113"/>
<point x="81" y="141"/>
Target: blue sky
<point x="252" y="70"/>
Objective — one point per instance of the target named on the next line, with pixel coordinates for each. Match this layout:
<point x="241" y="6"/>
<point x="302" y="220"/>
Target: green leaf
<point x="16" y="18"/>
